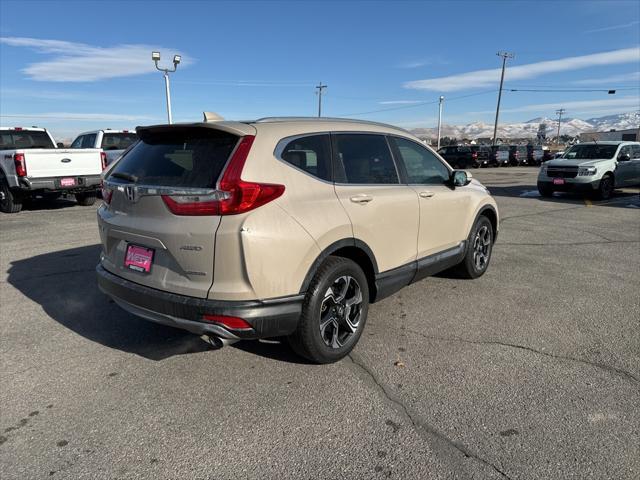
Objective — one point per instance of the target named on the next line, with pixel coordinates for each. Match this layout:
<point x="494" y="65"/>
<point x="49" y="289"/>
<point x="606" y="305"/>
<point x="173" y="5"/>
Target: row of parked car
<point x="33" y="164"/>
<point x="476" y="156"/>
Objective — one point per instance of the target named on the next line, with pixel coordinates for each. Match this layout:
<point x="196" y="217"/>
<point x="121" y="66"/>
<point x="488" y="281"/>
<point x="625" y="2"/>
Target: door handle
<point x="362" y="198"/>
<point x="427" y="194"/>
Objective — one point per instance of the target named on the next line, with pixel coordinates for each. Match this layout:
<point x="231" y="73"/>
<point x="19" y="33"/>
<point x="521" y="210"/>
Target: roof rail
<point x="326" y="119"/>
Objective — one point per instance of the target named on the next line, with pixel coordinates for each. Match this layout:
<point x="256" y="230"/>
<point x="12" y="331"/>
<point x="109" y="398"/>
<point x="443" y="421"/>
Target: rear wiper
<point x="125" y="176"/>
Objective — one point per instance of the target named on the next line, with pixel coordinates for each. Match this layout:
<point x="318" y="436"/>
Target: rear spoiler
<point x="235" y="128"/>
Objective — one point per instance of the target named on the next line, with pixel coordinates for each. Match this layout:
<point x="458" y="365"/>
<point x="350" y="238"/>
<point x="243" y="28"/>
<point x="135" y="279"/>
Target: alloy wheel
<point x="482" y="248"/>
<point x="340" y="312"/>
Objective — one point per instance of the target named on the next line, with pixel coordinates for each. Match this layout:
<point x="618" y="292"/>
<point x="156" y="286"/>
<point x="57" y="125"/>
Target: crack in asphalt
<point x="427" y="432"/>
<point x="623" y="373"/>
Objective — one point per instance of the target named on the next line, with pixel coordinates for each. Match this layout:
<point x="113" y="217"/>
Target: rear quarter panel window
<point x="311" y="154"/>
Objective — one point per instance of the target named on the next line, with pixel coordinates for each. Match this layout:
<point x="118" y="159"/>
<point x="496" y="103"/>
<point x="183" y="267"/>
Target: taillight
<point x="20" y="163"/>
<point x="232" y="323"/>
<point x="103" y="160"/>
<point x="233" y="196"/>
<point x="107" y="193"/>
<point x="474" y="155"/>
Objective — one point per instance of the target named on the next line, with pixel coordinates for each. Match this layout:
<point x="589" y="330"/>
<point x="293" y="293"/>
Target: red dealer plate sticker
<point x="138" y="258"/>
<point x="67" y="182"/>
<point x="558" y="181"/>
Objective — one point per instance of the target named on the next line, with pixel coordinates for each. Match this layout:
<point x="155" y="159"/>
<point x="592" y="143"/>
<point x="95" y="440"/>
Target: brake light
<point x="103" y="160"/>
<point x="474" y="155"/>
<point x="20" y="163"/>
<point x="107" y="193"/>
<point x="232" y="323"/>
<point x="18" y="129"/>
<point x="233" y="195"/>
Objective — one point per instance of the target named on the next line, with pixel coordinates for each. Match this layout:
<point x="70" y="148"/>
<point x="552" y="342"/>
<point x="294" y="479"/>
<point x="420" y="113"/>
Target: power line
<point x="610" y="91"/>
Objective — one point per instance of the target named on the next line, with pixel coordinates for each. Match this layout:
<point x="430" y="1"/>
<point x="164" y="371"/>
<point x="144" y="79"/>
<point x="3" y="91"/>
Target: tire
<point x="605" y="189"/>
<point x="86" y="199"/>
<point x="337" y="282"/>
<point x="9" y="201"/>
<point x="545" y="191"/>
<point x="479" y="247"/>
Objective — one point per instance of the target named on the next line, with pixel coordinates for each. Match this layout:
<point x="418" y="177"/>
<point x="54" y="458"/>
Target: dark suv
<point x="460" y="156"/>
<point x="535" y="155"/>
<point x="517" y="155"/>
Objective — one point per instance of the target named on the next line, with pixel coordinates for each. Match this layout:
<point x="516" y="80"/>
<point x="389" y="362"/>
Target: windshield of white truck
<point x="118" y="141"/>
<point x="22" y="139"/>
<point x="590" y="152"/>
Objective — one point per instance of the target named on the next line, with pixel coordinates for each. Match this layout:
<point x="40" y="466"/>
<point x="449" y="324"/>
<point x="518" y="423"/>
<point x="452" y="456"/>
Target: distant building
<point x="632" y="134"/>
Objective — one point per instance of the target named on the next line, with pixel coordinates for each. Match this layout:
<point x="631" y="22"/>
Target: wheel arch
<point x="490" y="212"/>
<point x="353" y="249"/>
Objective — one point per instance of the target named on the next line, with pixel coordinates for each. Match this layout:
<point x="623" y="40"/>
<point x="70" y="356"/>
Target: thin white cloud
<point x="79" y="62"/>
<point x="625" y="77"/>
<point x="628" y="102"/>
<point x="490" y="78"/>
<point x="90" y="117"/>
<point x="614" y="27"/>
<point x="401" y="102"/>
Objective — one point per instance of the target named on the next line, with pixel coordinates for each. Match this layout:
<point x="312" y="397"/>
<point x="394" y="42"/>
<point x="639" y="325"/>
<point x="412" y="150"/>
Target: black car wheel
<point x="9" y="201"/>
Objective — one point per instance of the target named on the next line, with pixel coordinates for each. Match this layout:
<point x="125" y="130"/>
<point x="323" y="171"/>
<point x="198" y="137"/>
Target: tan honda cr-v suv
<point x="283" y="227"/>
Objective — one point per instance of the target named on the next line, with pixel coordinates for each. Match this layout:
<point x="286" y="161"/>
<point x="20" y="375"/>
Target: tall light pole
<point x="439" y="119"/>
<point x="319" y="89"/>
<point x="155" y="56"/>
<point x="504" y="56"/>
<point x="559" y="112"/>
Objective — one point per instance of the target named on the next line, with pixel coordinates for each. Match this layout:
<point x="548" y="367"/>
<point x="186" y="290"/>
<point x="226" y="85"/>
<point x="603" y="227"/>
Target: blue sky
<point x="75" y="66"/>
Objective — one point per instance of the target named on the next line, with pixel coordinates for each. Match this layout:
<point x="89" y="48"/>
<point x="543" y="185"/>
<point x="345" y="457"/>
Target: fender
<point x="335" y="246"/>
<point x="495" y="214"/>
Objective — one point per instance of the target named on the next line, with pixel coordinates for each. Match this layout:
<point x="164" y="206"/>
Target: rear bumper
<point x="268" y="318"/>
<point x="83" y="183"/>
<point x="569" y="186"/>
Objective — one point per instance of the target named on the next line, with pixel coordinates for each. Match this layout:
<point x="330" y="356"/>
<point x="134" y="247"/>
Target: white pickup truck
<point x="112" y="142"/>
<point x="30" y="164"/>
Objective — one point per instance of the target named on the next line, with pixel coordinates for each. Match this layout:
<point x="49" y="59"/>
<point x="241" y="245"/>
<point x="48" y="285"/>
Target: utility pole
<point x="319" y="89"/>
<point x="504" y="56"/>
<point x="559" y="112"/>
<point x="439" y="119"/>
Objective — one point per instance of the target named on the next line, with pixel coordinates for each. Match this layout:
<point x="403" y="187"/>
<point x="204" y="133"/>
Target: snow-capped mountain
<point x="529" y="129"/>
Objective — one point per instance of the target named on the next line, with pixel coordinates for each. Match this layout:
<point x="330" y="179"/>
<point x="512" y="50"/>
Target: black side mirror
<point x="624" y="157"/>
<point x="459" y="178"/>
<point x="60" y="145"/>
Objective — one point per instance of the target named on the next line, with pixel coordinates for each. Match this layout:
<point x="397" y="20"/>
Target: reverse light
<point x="103" y="160"/>
<point x="233" y="195"/>
<point x="228" y="322"/>
<point x="21" y="164"/>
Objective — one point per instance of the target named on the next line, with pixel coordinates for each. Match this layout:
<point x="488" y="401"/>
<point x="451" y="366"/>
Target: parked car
<point x="517" y="155"/>
<point x="592" y="168"/>
<point x="31" y="164"/>
<point x="546" y="154"/>
<point x="283" y="227"/>
<point x="535" y="155"/>
<point x="460" y="156"/>
<point x="483" y="154"/>
<point x="500" y="155"/>
<point x="112" y="142"/>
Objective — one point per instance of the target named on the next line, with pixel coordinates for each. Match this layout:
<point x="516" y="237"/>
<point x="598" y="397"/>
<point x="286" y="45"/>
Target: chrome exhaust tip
<point x="218" y="342"/>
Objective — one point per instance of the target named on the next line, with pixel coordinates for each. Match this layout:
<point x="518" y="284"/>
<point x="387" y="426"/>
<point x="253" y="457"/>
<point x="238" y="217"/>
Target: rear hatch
<point x="62" y="163"/>
<point x="159" y="220"/>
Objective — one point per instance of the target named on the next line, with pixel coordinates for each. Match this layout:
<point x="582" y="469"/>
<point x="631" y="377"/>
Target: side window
<point x="364" y="159"/>
<point x="626" y="150"/>
<point x="89" y="141"/>
<point x="77" y="143"/>
<point x="311" y="154"/>
<point x="422" y="166"/>
<point x="635" y="151"/>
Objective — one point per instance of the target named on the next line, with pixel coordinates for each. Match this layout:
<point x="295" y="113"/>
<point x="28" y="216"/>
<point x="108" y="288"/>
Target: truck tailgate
<point x="62" y="163"/>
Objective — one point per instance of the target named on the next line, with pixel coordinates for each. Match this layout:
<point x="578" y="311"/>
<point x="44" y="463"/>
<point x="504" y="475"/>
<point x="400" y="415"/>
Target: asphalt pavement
<point x="530" y="372"/>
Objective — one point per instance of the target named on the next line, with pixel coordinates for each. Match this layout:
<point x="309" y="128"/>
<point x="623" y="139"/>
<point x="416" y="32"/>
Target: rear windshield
<point x="176" y="157"/>
<point x="584" y="152"/>
<point x="12" y="139"/>
<point x="118" y="141"/>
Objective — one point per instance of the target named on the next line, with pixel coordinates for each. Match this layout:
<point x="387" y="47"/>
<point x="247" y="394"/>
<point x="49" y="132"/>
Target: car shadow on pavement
<point x="37" y="204"/>
<point x="273" y="349"/>
<point x="628" y="197"/>
<point x="64" y="284"/>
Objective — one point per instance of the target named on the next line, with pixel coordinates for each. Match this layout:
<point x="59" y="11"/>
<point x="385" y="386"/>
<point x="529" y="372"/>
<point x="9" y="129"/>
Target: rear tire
<point x="86" y="199"/>
<point x="479" y="248"/>
<point x="334" y="312"/>
<point x="9" y="201"/>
